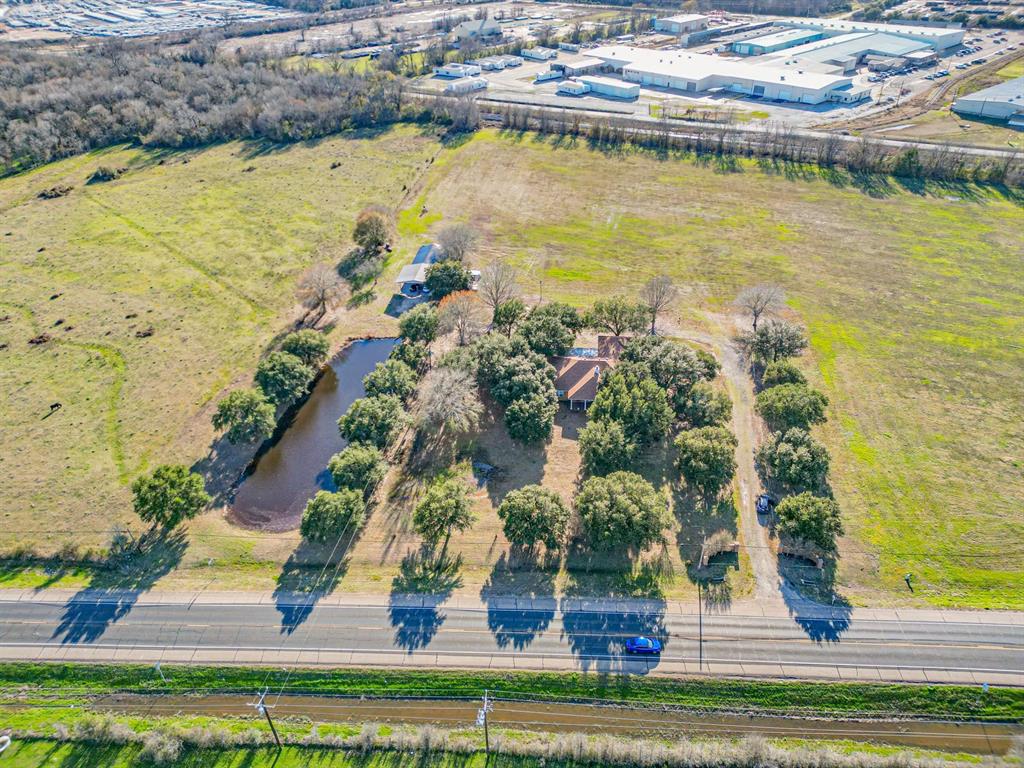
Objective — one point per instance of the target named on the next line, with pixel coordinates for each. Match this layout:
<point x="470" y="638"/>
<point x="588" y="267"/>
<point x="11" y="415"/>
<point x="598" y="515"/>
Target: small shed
<point x="413" y="279"/>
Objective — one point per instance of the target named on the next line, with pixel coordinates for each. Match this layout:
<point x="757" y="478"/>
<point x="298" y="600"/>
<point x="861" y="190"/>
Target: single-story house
<point x="578" y="374"/>
<point x="577" y="379"/>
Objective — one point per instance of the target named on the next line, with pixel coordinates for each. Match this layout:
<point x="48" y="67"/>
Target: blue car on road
<point x="649" y="645"/>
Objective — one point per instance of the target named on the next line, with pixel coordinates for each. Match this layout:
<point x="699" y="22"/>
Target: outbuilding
<point x="1004" y="101"/>
<point x="465" y="85"/>
<point x="413" y="280"/>
<point x="455" y="69"/>
<point x="681" y="24"/>
<point x="413" y="277"/>
<point x="606" y="86"/>
<point x="573" y="87"/>
<point x="539" y="53"/>
<point x="476" y="29"/>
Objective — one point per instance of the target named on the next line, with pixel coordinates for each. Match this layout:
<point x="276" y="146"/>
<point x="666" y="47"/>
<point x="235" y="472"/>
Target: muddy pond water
<point x="286" y="475"/>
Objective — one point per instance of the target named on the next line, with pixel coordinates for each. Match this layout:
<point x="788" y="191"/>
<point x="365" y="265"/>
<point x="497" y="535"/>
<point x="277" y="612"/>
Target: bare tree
<point x="758" y="300"/>
<point x="658" y="294"/>
<point x="498" y="283"/>
<point x="320" y="288"/>
<point x="464" y="314"/>
<point x="457" y="241"/>
<point x="464" y="114"/>
<point x="449" y="400"/>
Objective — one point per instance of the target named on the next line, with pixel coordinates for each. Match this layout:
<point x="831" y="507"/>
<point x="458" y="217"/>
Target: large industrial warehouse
<point x="844" y="53"/>
<point x="697" y="72"/>
<point x="1004" y="101"/>
<point x="940" y="38"/>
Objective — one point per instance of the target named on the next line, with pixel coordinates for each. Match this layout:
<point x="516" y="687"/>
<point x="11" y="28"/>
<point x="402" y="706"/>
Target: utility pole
<point x="481" y="719"/>
<point x="261" y="707"/>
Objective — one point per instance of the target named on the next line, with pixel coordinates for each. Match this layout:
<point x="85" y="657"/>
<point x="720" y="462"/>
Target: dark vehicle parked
<point x="765" y="504"/>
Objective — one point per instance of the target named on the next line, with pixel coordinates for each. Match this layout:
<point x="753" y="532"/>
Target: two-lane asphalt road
<point x="541" y="637"/>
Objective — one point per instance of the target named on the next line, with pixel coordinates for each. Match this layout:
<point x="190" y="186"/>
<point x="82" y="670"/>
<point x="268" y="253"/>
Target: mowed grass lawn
<point x="914" y="302"/>
<point x="203" y="248"/>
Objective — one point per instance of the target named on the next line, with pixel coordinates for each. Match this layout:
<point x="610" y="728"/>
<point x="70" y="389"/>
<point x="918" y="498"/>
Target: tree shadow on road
<point x="114" y="589"/>
<point x="516" y="579"/>
<point x="596" y="629"/>
<point x="810" y="597"/>
<point x="310" y="573"/>
<point x="425" y="580"/>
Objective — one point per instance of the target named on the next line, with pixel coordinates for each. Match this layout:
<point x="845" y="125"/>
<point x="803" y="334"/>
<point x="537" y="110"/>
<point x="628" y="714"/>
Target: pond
<point x="274" y="492"/>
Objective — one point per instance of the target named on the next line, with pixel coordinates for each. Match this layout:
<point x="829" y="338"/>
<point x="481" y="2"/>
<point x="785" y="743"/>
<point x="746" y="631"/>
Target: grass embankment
<point x="796" y="698"/>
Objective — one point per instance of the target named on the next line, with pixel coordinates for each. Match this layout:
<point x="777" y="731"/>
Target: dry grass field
<point x="200" y="248"/>
<point x="912" y="296"/>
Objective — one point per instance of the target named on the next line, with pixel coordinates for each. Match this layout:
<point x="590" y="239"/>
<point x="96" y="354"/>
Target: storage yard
<point x="135" y="18"/>
<point x="797" y="70"/>
<point x="724" y="66"/>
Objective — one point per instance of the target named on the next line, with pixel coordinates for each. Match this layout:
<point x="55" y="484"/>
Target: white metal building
<point x="573" y="87"/>
<point x="1004" y="101"/>
<point x="681" y="24"/>
<point x="585" y="66"/>
<point x="465" y="85"/>
<point x="489" y="63"/>
<point x="476" y="29"/>
<point x="455" y="69"/>
<point x="846" y="52"/>
<point x="697" y="72"/>
<point x="775" y="41"/>
<point x="606" y="86"/>
<point x="941" y="38"/>
<point x="539" y="53"/>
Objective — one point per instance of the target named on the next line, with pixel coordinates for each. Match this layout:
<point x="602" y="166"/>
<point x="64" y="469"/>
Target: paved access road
<point x="505" y="635"/>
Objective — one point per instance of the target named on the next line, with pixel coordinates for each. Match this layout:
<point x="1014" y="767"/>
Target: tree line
<point x="791" y="461"/>
<point x="57" y="105"/>
<point x="773" y="141"/>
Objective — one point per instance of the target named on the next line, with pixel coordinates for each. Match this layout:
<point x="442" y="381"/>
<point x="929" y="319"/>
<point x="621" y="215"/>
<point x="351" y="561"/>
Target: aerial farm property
<point x="431" y="384"/>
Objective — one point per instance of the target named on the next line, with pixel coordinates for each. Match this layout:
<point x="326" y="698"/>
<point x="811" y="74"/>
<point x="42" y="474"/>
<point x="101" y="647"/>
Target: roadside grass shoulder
<point x="950" y="702"/>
